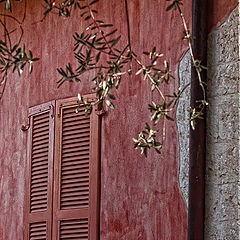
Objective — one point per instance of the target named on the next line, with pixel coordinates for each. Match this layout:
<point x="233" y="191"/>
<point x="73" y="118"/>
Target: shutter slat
<point x="39" y="117"/>
<point x="37" y="141"/>
<point x="74" y="229"/>
<point x="75" y="164"/>
<point x="81" y="159"/>
<point x="75" y="128"/>
<point x="39" y="182"/>
<point x="75" y="172"/>
<point x="73" y="185"/>
<point x="41" y="120"/>
<point x="35" y="192"/>
<point x="79" y="149"/>
<point x="76" y="140"/>
<point x="41" y="125"/>
<point x="38" y="231"/>
<point x="44" y="153"/>
<point x="77" y="145"/>
<point x="40" y="162"/>
<point x="77" y="198"/>
<point x="43" y="129"/>
<point x="39" y="197"/>
<point x="75" y="133"/>
<point x="71" y="113"/>
<point x="75" y="122"/>
<point x="69" y="229"/>
<point x="72" y="179"/>
<point x="41" y="227"/>
<point x="74" y="222"/>
<point x="73" y="107"/>
<point x="43" y="175"/>
<point x="38" y="166"/>
<point x="40" y="150"/>
<point x="72" y="110"/>
<point x="69" y="203"/>
<point x="40" y="172"/>
<point x="39" y="202"/>
<point x="74" y="118"/>
<point x="39" y="208"/>
<point x="78" y="189"/>
<point x="73" y="154"/>
<point x="76" y="137"/>
<point x="78" y="166"/>
<point x="40" y="145"/>
<point x="84" y="191"/>
<point x="39" y="135"/>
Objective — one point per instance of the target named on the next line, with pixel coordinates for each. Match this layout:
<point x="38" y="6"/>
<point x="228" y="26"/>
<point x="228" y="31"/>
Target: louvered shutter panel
<point x="75" y="210"/>
<point x="39" y="174"/>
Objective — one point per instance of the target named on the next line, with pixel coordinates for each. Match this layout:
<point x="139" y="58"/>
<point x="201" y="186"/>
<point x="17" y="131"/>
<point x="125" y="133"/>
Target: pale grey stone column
<point x="222" y="166"/>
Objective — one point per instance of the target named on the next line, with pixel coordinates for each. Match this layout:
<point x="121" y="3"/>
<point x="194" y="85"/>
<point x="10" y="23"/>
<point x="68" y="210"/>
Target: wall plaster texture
<point x="222" y="164"/>
<point x="182" y="120"/>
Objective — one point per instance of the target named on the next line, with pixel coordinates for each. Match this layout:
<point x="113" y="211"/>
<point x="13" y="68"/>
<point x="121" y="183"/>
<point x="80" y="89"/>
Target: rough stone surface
<point x="182" y="117"/>
<point x="222" y="167"/>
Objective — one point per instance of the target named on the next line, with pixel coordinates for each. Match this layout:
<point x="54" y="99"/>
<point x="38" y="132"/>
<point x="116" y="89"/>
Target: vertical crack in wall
<point x="222" y="159"/>
<point x="182" y="121"/>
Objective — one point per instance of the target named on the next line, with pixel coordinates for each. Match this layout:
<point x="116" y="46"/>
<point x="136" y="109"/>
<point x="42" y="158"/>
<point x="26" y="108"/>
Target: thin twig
<point x="148" y="75"/>
<point x="188" y="36"/>
<point x="98" y="27"/>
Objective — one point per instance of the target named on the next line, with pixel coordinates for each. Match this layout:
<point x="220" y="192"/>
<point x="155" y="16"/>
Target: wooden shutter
<point x="39" y="177"/>
<point x="76" y="166"/>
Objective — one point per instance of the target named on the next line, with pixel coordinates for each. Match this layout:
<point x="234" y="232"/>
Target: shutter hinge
<point x="59" y="111"/>
<point x="51" y="107"/>
<point x="27" y="126"/>
<point x="100" y="112"/>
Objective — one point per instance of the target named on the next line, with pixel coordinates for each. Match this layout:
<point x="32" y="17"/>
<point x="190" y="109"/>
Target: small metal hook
<point x="27" y="126"/>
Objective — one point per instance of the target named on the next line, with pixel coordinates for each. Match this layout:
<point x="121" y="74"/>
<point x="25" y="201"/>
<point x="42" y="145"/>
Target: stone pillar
<point x="222" y="166"/>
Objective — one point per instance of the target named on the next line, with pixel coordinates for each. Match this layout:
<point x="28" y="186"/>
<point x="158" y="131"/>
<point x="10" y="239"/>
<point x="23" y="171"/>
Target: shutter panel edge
<point x="94" y="200"/>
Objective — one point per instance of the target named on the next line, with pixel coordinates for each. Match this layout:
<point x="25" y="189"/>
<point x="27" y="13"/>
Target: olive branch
<point x="12" y="55"/>
<point x="96" y="51"/>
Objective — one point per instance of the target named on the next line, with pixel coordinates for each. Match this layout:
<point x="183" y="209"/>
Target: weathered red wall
<point x="140" y="198"/>
<point x="218" y="10"/>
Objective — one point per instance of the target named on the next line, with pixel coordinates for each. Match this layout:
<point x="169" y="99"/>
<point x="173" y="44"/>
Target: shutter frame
<point x="92" y="212"/>
<point x="94" y="204"/>
<point x="37" y="219"/>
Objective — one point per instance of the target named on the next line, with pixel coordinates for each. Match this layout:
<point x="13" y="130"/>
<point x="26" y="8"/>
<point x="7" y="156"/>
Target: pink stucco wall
<point x="140" y="198"/>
